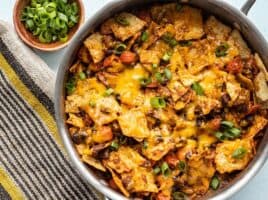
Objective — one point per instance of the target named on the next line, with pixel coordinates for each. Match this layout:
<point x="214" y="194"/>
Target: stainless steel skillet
<point x="222" y="10"/>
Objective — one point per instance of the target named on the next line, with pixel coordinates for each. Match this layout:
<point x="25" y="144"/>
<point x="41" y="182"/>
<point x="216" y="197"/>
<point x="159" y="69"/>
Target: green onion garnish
<point x="169" y="39"/>
<point x="70" y="85"/>
<point x="119" y="48"/>
<point x="227" y="124"/>
<point x="165" y="169"/>
<point x="121" y="20"/>
<point x="144" y="36"/>
<point x="215" y="183"/>
<point x="92" y="104"/>
<point x="198" y="88"/>
<point x="159" y="77"/>
<point x="219" y="135"/>
<point x="114" y="145"/>
<point x="82" y="75"/>
<point x="154" y="66"/>
<point x="145" y="81"/>
<point x="108" y="92"/>
<point x="227" y="131"/>
<point x="182" y="166"/>
<point x="168" y="74"/>
<point x="50" y="20"/>
<point x="157" y="170"/>
<point x="163" y="77"/>
<point x="221" y="50"/>
<point x="239" y="153"/>
<point x="166" y="57"/>
<point x="158" y="102"/>
<point x="145" y="144"/>
<point x="179" y="196"/>
<point x="185" y="43"/>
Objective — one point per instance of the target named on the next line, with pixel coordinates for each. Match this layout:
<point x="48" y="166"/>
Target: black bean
<point x="225" y="99"/>
<point x="79" y="137"/>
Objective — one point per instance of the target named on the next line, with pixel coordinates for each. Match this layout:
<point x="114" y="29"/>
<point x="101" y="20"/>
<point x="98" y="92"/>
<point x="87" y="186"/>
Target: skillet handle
<point x="247" y="6"/>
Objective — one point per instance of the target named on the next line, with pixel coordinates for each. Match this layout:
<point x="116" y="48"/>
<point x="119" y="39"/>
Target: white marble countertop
<point x="257" y="188"/>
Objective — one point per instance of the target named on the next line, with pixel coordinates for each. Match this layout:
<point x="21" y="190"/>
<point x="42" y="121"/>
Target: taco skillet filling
<point x="166" y="103"/>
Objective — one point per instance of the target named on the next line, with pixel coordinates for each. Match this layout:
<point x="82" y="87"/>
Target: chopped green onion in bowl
<point x="50" y="20"/>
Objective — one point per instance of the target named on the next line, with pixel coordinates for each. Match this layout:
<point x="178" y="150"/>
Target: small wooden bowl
<point x="33" y="41"/>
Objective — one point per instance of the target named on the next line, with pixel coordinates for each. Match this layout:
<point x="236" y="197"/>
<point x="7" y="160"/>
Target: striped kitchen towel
<point x="33" y="164"/>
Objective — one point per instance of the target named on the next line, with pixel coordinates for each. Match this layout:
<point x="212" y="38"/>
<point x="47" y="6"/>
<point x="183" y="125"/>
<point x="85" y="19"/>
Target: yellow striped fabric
<point x="33" y="164"/>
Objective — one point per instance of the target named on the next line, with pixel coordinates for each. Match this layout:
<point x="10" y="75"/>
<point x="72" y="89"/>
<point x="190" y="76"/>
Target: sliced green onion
<point x="114" y="145"/>
<point x="235" y="132"/>
<point x="221" y="50"/>
<point x="144" y="36"/>
<point x="108" y="92"/>
<point x="198" y="88"/>
<point x="145" y="81"/>
<point x="165" y="169"/>
<point x="168" y="73"/>
<point x="64" y="38"/>
<point x="179" y="196"/>
<point x="185" y="43"/>
<point x="239" y="153"/>
<point x="227" y="124"/>
<point x="52" y="14"/>
<point x="37" y="31"/>
<point x="154" y="66"/>
<point x="169" y="39"/>
<point x="227" y="131"/>
<point x="30" y="24"/>
<point x="119" y="48"/>
<point x="45" y="37"/>
<point x="70" y="85"/>
<point x="159" y="77"/>
<point x="92" y="104"/>
<point x="215" y="183"/>
<point x="219" y="135"/>
<point x="158" y="102"/>
<point x="121" y="20"/>
<point x="145" y="144"/>
<point x="166" y="57"/>
<point x="182" y="166"/>
<point x="82" y="75"/>
<point x="157" y="170"/>
<point x="50" y="20"/>
<point x="63" y="17"/>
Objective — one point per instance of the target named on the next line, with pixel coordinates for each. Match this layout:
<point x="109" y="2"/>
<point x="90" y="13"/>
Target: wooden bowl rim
<point x="44" y="46"/>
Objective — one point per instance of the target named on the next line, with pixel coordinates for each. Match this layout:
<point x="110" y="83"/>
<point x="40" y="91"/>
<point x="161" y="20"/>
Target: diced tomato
<point x="128" y="57"/>
<point x="172" y="160"/>
<point x="161" y="196"/>
<point x="153" y="85"/>
<point x="235" y="66"/>
<point x="112" y="184"/>
<point x="252" y="108"/>
<point x="215" y="124"/>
